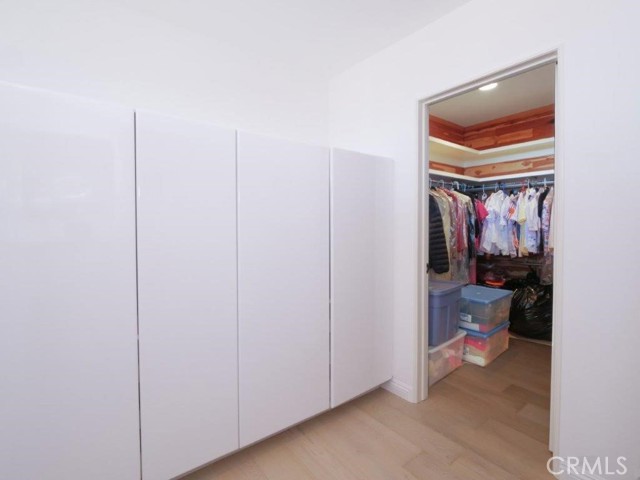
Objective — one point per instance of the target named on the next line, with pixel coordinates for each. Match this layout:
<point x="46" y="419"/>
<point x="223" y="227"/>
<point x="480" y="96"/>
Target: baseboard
<point x="401" y="389"/>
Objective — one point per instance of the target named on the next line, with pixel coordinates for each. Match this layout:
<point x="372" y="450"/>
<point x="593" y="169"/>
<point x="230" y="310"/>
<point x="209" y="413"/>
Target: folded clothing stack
<point x="482" y="348"/>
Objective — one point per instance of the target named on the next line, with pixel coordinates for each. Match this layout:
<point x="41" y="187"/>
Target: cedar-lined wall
<point x="530" y="165"/>
<point x="508" y="168"/>
<point x="444" y="167"/>
<point x="445" y="130"/>
<point x="510" y="130"/>
<point x="517" y="128"/>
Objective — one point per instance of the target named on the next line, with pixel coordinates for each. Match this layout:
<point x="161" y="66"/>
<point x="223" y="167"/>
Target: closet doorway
<point x="491" y="186"/>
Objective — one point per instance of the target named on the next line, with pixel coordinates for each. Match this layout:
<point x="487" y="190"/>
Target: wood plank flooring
<point x="479" y="423"/>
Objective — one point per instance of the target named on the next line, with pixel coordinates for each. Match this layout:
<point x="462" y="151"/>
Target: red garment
<point x="481" y="211"/>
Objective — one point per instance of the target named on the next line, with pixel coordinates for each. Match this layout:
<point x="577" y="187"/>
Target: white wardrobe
<point x="68" y="348"/>
<point x="172" y="291"/>
<point x="187" y="288"/>
<point x="283" y="284"/>
<point x="361" y="273"/>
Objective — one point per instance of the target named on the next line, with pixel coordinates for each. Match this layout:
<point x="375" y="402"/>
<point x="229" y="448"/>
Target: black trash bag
<point x="515" y="283"/>
<point x="531" y="311"/>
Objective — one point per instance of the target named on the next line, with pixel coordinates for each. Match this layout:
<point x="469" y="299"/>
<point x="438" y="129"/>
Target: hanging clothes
<point x="464" y="220"/>
<point x="481" y="214"/>
<point x="518" y="224"/>
<point x="458" y="225"/>
<point x="532" y="226"/>
<point x="546" y="270"/>
<point x="546" y="220"/>
<point x="445" y="206"/>
<point x="438" y="251"/>
<point x="543" y="195"/>
<point x="521" y="218"/>
<point x="514" y="226"/>
<point x="495" y="236"/>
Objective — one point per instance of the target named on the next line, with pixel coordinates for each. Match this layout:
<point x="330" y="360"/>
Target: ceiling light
<point x="487" y="87"/>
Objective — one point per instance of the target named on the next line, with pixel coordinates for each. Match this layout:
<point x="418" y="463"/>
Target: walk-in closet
<point x="490" y="195"/>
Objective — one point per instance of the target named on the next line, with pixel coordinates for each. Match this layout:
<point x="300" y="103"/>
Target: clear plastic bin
<point x="445" y="358"/>
<point x="444" y="311"/>
<point x="482" y="309"/>
<point x="482" y="348"/>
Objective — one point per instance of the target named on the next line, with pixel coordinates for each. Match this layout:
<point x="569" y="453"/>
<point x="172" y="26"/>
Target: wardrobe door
<point x="186" y="175"/>
<point x="68" y="351"/>
<point x="283" y="253"/>
<point x="361" y="273"/>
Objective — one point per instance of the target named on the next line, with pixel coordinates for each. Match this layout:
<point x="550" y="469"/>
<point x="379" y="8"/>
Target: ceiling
<point x="532" y="89"/>
<point x="321" y="37"/>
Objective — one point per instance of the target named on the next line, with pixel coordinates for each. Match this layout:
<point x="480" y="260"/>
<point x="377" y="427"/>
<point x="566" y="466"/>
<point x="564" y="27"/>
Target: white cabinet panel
<point x="283" y="252"/>
<point x="68" y="349"/>
<point x="361" y="273"/>
<point x="186" y="174"/>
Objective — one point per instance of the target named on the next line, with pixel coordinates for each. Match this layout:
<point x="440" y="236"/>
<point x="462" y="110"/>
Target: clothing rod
<point x="490" y="186"/>
<point x="509" y="185"/>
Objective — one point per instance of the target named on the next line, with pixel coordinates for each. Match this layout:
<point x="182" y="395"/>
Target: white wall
<point x="102" y="49"/>
<point x="374" y="109"/>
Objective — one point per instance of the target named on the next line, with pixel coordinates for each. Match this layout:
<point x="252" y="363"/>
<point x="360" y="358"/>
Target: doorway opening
<point x="490" y="279"/>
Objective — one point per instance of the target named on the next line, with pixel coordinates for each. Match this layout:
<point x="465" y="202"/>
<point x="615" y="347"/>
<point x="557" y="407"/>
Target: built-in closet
<point x="283" y="284"/>
<point x="361" y="273"/>
<point x="187" y="293"/>
<point x="68" y="311"/>
<point x="173" y="291"/>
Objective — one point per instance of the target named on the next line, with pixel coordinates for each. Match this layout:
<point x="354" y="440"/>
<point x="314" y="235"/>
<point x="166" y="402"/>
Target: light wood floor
<point x="479" y="423"/>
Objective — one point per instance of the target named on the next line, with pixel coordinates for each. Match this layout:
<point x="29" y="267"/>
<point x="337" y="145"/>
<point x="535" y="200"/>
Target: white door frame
<point x="421" y="361"/>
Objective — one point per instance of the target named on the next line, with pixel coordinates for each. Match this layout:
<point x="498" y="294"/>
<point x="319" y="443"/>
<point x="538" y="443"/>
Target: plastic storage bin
<point x="482" y="309"/>
<point x="444" y="311"/>
<point x="445" y="358"/>
<point x="483" y="348"/>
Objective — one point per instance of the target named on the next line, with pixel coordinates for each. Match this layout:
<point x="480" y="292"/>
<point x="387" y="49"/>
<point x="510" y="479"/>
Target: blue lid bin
<point x="482" y="309"/>
<point x="444" y="311"/>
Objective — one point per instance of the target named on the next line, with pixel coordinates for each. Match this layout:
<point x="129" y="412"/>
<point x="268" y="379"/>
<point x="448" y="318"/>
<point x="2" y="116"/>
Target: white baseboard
<point x="401" y="389"/>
